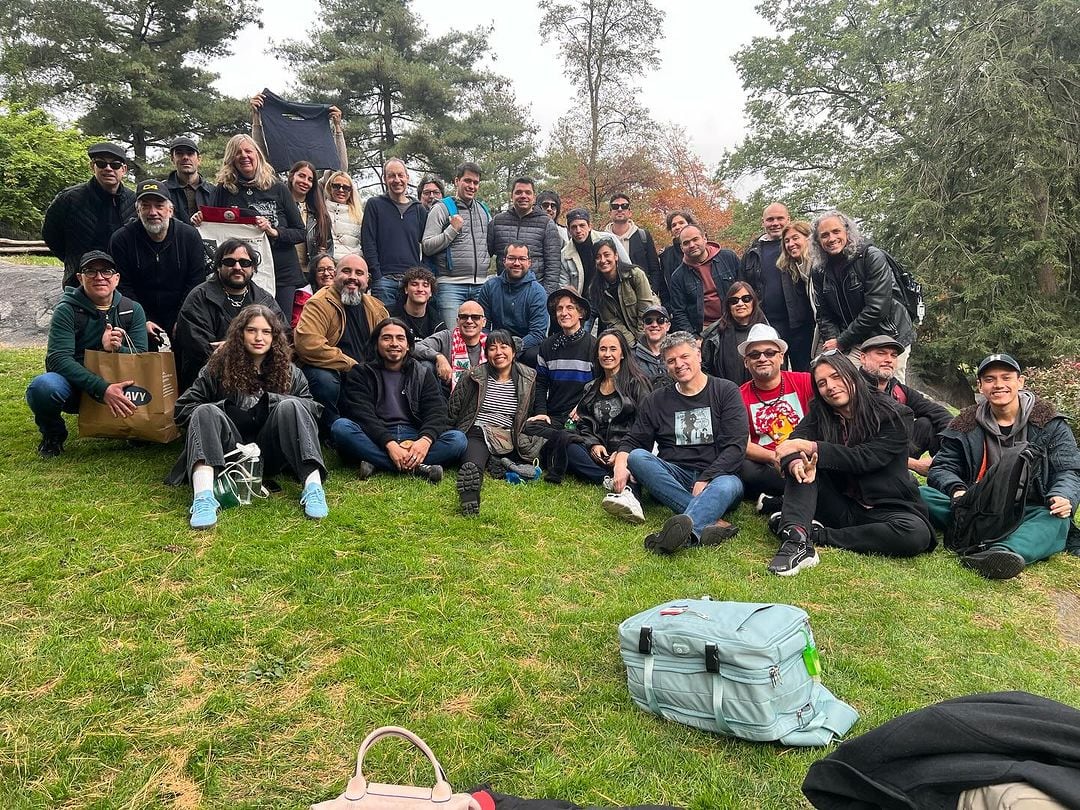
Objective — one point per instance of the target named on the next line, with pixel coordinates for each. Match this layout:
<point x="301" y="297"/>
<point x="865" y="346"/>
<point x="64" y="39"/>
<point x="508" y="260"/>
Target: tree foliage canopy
<point x="133" y="68"/>
<point x="952" y="128"/>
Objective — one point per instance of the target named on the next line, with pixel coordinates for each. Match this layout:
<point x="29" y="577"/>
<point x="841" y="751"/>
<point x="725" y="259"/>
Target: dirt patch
<point x="28" y="294"/>
<point x="1068" y="616"/>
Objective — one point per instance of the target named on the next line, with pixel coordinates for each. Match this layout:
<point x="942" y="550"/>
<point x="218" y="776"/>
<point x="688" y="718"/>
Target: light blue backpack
<point x="737" y="668"/>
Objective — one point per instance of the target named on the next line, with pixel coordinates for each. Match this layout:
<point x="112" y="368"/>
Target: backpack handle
<point x="357" y="787"/>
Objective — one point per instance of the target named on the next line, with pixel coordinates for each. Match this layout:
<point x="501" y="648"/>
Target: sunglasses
<point x="739" y="299"/>
<point x="768" y="353"/>
<point x="654" y="319"/>
<point x="340" y="187"/>
<point x="115" y="165"/>
<point x="104" y="272"/>
<point x="620" y="206"/>
<point x="470" y="317"/>
<point x="229" y="261"/>
<point x="550" y="205"/>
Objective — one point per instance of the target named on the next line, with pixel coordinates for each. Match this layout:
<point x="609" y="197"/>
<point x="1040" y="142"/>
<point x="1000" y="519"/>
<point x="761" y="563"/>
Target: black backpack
<point x="910" y="290"/>
<point x="125" y="311"/>
<point x="993" y="507"/>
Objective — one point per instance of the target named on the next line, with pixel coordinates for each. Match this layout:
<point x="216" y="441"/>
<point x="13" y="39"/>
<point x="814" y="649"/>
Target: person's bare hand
<point x="400" y="456"/>
<point x="1060" y="507"/>
<point x="443" y="368"/>
<point x="540" y="417"/>
<point x="112" y="338"/>
<point x="456" y="222"/>
<point x="256" y="101"/>
<point x="699" y="487"/>
<point x="804" y="468"/>
<point x="119" y="404"/>
<point x="599" y="454"/>
<point x="829" y="344"/>
<point x="920" y="465"/>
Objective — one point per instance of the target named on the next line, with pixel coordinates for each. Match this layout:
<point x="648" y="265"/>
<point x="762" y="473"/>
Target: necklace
<point x="757" y="396"/>
<point x="238" y="303"/>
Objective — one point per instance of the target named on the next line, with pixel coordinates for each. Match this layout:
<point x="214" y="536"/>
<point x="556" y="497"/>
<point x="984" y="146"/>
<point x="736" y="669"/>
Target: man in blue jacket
<point x="91" y="316"/>
<point x="515" y="301"/>
<point x="391" y="232"/>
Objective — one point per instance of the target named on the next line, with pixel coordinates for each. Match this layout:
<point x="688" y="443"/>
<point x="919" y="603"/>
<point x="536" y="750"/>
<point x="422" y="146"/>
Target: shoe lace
<point x="203" y="505"/>
<point x="314" y="496"/>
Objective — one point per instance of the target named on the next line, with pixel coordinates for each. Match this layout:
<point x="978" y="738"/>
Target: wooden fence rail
<point x="19" y="246"/>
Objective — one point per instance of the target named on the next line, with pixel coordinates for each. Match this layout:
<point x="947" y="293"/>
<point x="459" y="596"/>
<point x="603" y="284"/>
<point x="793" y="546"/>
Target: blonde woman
<point x="345" y="213"/>
<point x="794" y="264"/>
<point x="246" y="180"/>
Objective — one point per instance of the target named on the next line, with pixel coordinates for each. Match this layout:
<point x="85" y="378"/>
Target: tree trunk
<point x="1044" y="271"/>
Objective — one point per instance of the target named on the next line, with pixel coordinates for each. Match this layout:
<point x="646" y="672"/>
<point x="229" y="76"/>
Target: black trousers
<point x="800" y="345"/>
<point x="888" y="531"/>
<point x="758" y="478"/>
<point x="924" y="439"/>
<point x="289" y="439"/>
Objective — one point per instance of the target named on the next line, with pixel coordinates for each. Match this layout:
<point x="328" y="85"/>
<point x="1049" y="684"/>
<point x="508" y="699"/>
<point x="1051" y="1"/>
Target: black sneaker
<point x="715" y="535"/>
<point x="796" y="553"/>
<point x="469" y="480"/>
<point x="432" y="472"/>
<point x="776" y="526"/>
<point x="774" y="523"/>
<point x="994" y="563"/>
<point x="673" y="536"/>
<point x="51" y="446"/>
<point x="365" y="470"/>
<point x="767" y="504"/>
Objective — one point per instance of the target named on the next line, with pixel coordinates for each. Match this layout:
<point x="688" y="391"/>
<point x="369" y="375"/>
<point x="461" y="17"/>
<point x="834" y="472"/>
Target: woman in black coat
<point x="848" y="483"/>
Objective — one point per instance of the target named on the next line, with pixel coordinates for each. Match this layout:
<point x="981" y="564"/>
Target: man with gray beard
<point x="160" y="260"/>
<point x="334" y="333"/>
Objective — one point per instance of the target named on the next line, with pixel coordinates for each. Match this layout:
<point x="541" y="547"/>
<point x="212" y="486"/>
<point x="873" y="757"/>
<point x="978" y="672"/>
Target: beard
<point x="880" y="374"/>
<point x="155" y="228"/>
<point x="350" y="298"/>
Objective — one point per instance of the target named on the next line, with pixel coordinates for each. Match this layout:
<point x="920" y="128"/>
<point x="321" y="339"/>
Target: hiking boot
<point x="469" y="480"/>
<point x="432" y="472"/>
<point x="675" y="534"/>
<point x="623" y="505"/>
<point x="313" y="499"/>
<point x="51" y="446"/>
<point x="767" y="504"/>
<point x="204" y="510"/>
<point x="715" y="535"/>
<point x="796" y="552"/>
<point x="995" y="562"/>
<point x="365" y="470"/>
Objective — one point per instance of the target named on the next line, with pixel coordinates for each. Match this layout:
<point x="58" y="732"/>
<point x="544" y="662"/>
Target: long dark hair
<point x="629" y="379"/>
<point x="313" y="269"/>
<point x="233" y="366"/>
<point x="596" y="288"/>
<point x="870" y="410"/>
<point x="315" y="203"/>
<point x="756" y="315"/>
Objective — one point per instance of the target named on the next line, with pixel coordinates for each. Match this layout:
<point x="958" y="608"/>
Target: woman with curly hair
<point x="720" y="342"/>
<point x="250" y="392"/>
<point x="309" y="200"/>
<point x="345" y="213"/>
<point x="245" y="180"/>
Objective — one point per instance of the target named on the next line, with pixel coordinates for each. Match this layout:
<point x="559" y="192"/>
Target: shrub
<point x="1059" y="383"/>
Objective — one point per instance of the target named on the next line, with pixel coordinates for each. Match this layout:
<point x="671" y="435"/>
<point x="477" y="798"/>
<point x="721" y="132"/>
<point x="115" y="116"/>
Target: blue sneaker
<point x="204" y="510"/>
<point x="313" y="499"/>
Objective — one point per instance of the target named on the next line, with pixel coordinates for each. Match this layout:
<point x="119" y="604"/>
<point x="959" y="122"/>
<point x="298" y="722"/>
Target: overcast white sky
<point x="696" y="85"/>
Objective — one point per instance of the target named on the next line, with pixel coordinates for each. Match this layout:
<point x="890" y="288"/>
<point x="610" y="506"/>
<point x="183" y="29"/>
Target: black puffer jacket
<point x="159" y="275"/>
<point x="537" y="230"/>
<point x="83" y="218"/>
<point x="796" y="294"/>
<point x="859" y="299"/>
<point x="611" y="434"/>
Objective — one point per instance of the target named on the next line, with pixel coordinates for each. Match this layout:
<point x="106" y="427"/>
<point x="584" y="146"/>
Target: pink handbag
<point x="362" y="795"/>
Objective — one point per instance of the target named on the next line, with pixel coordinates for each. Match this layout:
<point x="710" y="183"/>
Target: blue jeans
<point x="354" y="446"/>
<point x="672" y="484"/>
<point x="387" y="289"/>
<point x="325" y="388"/>
<point x="49" y="395"/>
<point x="581" y="463"/>
<point x="451" y="297"/>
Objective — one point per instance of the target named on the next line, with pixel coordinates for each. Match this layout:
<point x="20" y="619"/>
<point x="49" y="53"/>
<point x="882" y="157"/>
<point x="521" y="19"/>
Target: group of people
<point x="431" y="332"/>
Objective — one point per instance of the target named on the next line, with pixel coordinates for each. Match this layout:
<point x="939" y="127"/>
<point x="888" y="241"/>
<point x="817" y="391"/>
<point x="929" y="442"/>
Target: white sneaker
<point x="624" y="505"/>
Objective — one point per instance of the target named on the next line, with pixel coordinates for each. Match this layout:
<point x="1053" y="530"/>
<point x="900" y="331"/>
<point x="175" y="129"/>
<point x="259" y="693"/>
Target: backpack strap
<point x="125" y="310"/>
<point x="451" y="205"/>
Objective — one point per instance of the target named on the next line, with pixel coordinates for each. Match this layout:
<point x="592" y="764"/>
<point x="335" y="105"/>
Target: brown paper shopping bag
<point x="153" y="394"/>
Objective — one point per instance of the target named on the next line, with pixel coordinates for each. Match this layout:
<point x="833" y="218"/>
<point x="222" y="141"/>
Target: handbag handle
<point x="357" y="787"/>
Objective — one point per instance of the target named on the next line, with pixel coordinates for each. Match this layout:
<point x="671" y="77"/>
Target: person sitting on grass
<point x="94" y="316"/>
<point x="848" y="483"/>
<point x="699" y="426"/>
<point x="605" y="414"/>
<point x="1011" y="417"/>
<point x="249" y="391"/>
<point x="491" y="404"/>
<point x="393" y="412"/>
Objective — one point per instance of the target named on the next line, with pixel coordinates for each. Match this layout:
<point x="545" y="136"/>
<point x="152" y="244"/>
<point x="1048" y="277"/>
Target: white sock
<point x="202" y="478"/>
<point x="314" y="478"/>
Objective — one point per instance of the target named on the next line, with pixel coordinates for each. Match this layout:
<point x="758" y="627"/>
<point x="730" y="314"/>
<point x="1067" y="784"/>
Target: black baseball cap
<point x="656" y="309"/>
<point x="92" y="256"/>
<point x="1006" y="360"/>
<point x="107" y="148"/>
<point x="186" y="143"/>
<point x="151" y="188"/>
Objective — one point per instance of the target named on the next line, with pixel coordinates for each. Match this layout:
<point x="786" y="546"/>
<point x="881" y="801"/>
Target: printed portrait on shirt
<point x="693" y="427"/>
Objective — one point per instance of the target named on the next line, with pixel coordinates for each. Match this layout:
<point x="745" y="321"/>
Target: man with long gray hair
<point x="856" y="291"/>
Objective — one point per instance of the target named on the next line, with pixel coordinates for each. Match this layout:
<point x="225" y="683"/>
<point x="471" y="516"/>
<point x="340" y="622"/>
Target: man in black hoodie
<point x="160" y="259"/>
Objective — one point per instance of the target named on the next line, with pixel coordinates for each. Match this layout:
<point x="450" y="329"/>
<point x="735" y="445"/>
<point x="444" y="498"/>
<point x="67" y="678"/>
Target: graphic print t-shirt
<point x="772" y="414"/>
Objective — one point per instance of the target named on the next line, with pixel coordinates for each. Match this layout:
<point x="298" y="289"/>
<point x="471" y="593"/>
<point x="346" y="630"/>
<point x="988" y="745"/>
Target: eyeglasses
<point x="322" y="271"/>
<point x="104" y="272"/>
<point x="515" y="259"/>
<point x="739" y="299"/>
<point x="620" y="206"/>
<point x="654" y="319"/>
<point x="229" y="261"/>
<point x="550" y="205"/>
<point x="340" y="187"/>
<point x="769" y="353"/>
<point x="468" y="316"/>
<point x="115" y="165"/>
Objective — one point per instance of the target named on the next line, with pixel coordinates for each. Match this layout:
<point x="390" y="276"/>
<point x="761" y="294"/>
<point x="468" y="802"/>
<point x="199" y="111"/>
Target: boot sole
<point x="1001" y="565"/>
<point x="674" y="536"/>
<point x="470" y="478"/>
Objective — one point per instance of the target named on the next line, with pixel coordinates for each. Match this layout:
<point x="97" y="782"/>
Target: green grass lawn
<point x="31" y="258"/>
<point x="145" y="665"/>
